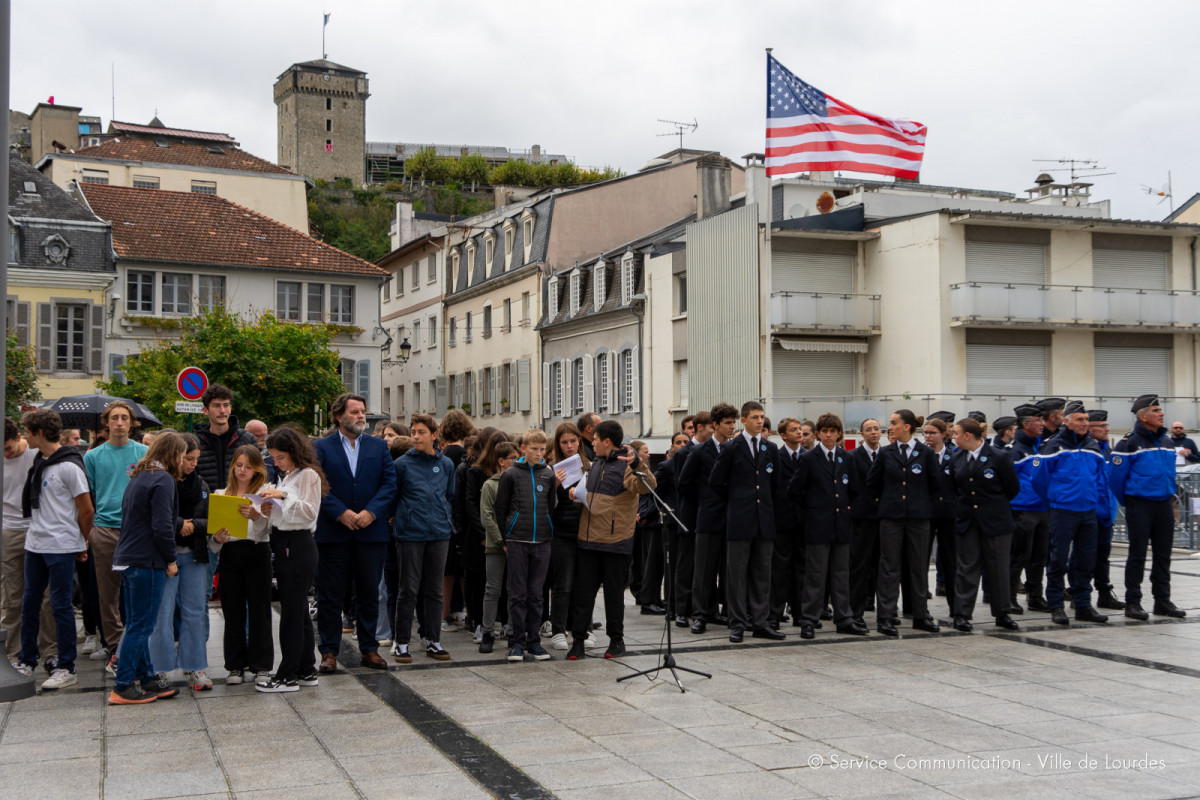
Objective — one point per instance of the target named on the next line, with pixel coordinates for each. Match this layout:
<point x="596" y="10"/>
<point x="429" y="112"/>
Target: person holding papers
<point x="245" y="564"/>
<point x="564" y="453"/>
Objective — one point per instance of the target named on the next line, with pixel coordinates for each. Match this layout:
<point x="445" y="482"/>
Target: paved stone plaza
<point x="1088" y="711"/>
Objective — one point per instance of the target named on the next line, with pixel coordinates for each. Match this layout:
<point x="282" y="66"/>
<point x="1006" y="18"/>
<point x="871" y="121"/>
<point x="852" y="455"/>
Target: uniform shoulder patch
<point x="1037" y="462"/>
<point x="1116" y="460"/>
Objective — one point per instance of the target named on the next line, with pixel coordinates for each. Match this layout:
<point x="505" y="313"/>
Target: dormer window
<point x="599" y="285"/>
<point x="552" y="306"/>
<point x="470" y="260"/>
<point x="574" y="292"/>
<point x="454" y="266"/>
<point x="489" y="248"/>
<point x="510" y="235"/>
<point x="528" y="218"/>
<point x="627" y="279"/>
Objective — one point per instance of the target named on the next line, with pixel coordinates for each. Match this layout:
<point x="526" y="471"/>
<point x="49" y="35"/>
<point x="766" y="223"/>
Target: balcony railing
<point x="976" y="303"/>
<point x="852" y="314"/>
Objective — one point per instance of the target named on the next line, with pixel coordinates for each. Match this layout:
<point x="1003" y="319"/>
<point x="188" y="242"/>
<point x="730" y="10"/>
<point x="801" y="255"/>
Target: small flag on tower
<point x="326" y="19"/>
<point x="810" y="131"/>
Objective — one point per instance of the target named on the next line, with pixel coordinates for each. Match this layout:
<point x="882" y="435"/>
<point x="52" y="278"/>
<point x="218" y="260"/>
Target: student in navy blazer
<point x="746" y="478"/>
<point x="986" y="482"/>
<point x="709" y="552"/>
<point x="687" y="509"/>
<point x="787" y="561"/>
<point x="864" y="546"/>
<point x="907" y="479"/>
<point x="352" y="530"/>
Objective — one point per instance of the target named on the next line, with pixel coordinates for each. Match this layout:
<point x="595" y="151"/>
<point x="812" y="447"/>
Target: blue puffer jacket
<point x="1024" y="450"/>
<point x="424" y="492"/>
<point x="1070" y="474"/>
<point x="1143" y="465"/>
<point x="1112" y="498"/>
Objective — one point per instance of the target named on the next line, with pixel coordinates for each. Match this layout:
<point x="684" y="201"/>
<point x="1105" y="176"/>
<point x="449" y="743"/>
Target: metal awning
<point x="821" y="346"/>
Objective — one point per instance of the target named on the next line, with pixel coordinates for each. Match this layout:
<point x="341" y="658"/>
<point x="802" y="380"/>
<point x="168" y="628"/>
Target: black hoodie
<point x="193" y="505"/>
<point x="217" y="449"/>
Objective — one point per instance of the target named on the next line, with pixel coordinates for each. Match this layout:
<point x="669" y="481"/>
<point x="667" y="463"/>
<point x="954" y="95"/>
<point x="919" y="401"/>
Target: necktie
<point x="904" y="451"/>
<point x="830" y="454"/>
<point x="871" y="453"/>
<point x="754" y="446"/>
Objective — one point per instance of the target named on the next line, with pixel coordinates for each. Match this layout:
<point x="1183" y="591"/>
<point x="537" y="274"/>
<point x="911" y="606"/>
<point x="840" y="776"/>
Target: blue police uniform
<point x="1031" y="539"/>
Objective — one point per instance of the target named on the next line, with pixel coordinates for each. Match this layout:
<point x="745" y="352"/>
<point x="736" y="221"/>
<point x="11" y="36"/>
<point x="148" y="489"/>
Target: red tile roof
<point x="191" y="154"/>
<point x="156" y="130"/>
<point x="192" y="228"/>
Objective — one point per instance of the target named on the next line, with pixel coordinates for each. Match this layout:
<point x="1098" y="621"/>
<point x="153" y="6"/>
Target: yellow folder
<point x="223" y="513"/>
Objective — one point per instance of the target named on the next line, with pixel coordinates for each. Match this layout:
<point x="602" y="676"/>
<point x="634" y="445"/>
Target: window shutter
<point x="21" y="324"/>
<point x="116" y="367"/>
<point x="440" y="401"/>
<point x="1013" y="370"/>
<point x="96" y="340"/>
<point x="996" y="262"/>
<point x="363" y="374"/>
<point x="615" y="401"/>
<point x="348" y="374"/>
<point x="1129" y="269"/>
<point x="635" y="371"/>
<point x="545" y="390"/>
<point x="523" y="399"/>
<point x="812" y="272"/>
<point x="45" y="336"/>
<point x="683" y="384"/>
<point x="799" y="375"/>
<point x="1127" y="372"/>
<point x="493" y="390"/>
<point x="589" y="402"/>
<point x="564" y="386"/>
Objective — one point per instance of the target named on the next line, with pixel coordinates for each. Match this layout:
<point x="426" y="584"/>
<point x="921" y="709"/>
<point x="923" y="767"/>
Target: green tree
<point x="20" y="376"/>
<point x="514" y="172"/>
<point x="472" y="169"/>
<point x="278" y="371"/>
<point x="427" y="165"/>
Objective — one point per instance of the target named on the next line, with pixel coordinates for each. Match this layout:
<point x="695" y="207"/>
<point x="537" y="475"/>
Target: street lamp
<point x="405" y="352"/>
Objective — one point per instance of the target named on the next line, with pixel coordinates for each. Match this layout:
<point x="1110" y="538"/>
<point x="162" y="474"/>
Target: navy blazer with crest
<point x="866" y="503"/>
<point x="747" y="485"/>
<point x="707" y="506"/>
<point x="906" y="489"/>
<point x="685" y="504"/>
<point x="985" y="489"/>
<point x="373" y="488"/>
<point x="823" y="493"/>
<point x="788" y="520"/>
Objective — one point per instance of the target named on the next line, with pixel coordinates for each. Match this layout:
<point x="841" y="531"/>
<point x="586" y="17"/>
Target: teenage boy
<point x="864" y="510"/>
<point x="18" y="458"/>
<point x="424" y="492"/>
<point x="107" y="468"/>
<point x="59" y="506"/>
<point x="688" y="501"/>
<point x="787" y="560"/>
<point x="746" y="478"/>
<point x="824" y="487"/>
<point x="709" y="553"/>
<point x="609" y="496"/>
<point x="220" y="436"/>
<point x="524" y="504"/>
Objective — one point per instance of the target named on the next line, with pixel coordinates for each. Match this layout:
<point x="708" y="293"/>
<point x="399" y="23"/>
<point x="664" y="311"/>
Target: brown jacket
<point x="610" y="513"/>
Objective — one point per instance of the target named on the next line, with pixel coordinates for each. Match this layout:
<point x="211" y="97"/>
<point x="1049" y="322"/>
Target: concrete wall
<point x="300" y="98"/>
<point x="48" y="124"/>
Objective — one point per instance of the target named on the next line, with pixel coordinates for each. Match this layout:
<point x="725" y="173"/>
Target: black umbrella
<point x="84" y="410"/>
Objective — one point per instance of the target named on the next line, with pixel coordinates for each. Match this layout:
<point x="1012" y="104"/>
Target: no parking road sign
<point x="191" y="383"/>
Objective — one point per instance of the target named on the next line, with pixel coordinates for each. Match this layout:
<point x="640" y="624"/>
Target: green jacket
<point x="494" y="540"/>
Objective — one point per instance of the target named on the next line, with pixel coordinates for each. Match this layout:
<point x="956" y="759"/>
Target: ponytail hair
<point x="971" y="427"/>
<point x="910" y="419"/>
<point x="941" y="425"/>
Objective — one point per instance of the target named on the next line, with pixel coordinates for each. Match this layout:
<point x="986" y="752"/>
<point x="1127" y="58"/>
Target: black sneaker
<point x="274" y="685"/>
<point x="616" y="648"/>
<point x="576" y="652"/>
<point x="487" y="643"/>
<point x="311" y="679"/>
<point x="130" y="695"/>
<point x="159" y="686"/>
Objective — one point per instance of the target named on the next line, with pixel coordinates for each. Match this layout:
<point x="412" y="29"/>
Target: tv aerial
<point x="1163" y="192"/>
<point x="680" y="128"/>
<point x="1080" y="167"/>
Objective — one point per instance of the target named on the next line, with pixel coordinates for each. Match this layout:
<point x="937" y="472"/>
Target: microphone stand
<point x="667" y="656"/>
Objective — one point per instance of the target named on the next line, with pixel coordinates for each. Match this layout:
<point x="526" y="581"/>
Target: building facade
<point x="412" y="313"/>
<point x="322" y="112"/>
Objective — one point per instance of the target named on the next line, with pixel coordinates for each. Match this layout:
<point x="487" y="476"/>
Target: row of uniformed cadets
<point x="833" y="533"/>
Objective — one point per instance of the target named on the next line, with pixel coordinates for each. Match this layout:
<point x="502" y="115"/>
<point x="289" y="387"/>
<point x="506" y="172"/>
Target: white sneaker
<point x="559" y="642"/>
<point x="199" y="681"/>
<point x="99" y="654"/>
<point x="90" y="645"/>
<point x="59" y="679"/>
<point x="235" y="677"/>
<point x="396" y="647"/>
<point x="590" y="642"/>
<point x="385" y="642"/>
<point x="477" y="634"/>
<point x="262" y="677"/>
<point x="547" y="629"/>
<point x="459" y="616"/>
<point x="24" y="669"/>
<point x="449" y="625"/>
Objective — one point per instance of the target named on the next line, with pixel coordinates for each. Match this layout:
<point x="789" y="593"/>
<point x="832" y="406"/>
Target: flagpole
<point x="324" y="24"/>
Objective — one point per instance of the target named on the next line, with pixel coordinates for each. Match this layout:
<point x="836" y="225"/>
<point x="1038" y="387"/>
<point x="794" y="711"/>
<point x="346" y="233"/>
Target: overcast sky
<point x="998" y="85"/>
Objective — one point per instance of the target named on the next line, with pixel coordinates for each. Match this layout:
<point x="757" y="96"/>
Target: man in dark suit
<point x="986" y="482"/>
<point x="709" y="553"/>
<point x="688" y="506"/>
<point x="746" y="477"/>
<point x="787" y="560"/>
<point x="823" y="487"/>
<point x="864" y="510"/>
<point x="352" y="529"/>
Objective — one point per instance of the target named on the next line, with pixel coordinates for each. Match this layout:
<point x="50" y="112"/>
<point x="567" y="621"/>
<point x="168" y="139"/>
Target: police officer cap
<point x="1028" y="410"/>
<point x="1051" y="404"/>
<point x="1098" y="415"/>
<point x="978" y="416"/>
<point x="1075" y="407"/>
<point x="1003" y="422"/>
<point x="945" y="416"/>
<point x="1145" y="401"/>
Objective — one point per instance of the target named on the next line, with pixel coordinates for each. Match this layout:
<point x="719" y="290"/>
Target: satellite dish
<point x="796" y="210"/>
<point x="825" y="203"/>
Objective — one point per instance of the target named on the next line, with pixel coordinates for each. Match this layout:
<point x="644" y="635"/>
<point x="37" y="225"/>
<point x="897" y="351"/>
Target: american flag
<point x="808" y="130"/>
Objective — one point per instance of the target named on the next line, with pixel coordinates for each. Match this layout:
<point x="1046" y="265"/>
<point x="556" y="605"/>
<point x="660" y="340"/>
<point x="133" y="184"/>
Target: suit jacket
<point x="788" y="520"/>
<point x="906" y="489"/>
<point x="985" y="488"/>
<point x="372" y="489"/>
<point x="865" y="504"/>
<point x="665" y="477"/>
<point x="686" y="508"/>
<point x="694" y="484"/>
<point x="946" y="503"/>
<point x="747" y="483"/>
<point x="824" y="493"/>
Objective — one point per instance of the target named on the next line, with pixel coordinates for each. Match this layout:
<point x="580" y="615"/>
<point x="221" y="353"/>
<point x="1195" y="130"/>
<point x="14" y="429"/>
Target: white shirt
<point x="750" y="442"/>
<point x="974" y="454"/>
<point x="257" y="530"/>
<point x="15" y="472"/>
<point x="825" y="452"/>
<point x="792" y="453"/>
<point x="302" y="504"/>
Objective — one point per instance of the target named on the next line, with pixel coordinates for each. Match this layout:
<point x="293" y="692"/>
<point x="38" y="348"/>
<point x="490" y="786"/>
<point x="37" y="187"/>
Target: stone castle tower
<point x="323" y="120"/>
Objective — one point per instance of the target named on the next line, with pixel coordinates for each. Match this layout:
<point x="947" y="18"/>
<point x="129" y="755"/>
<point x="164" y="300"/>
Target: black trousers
<point x="708" y="558"/>
<point x="903" y="539"/>
<point x="1149" y="522"/>
<point x="474" y="578"/>
<point x="864" y="564"/>
<point x="827" y="565"/>
<point x="594" y="569"/>
<point x="295" y="563"/>
<point x="246" y="605"/>
<point x="941" y="530"/>
<point x="684" y="561"/>
<point x="982" y="555"/>
<point x="748" y="590"/>
<point x="787" y="575"/>
<point x="338" y="561"/>
<point x="563" y="550"/>
<point x="1030" y="550"/>
<point x="652" y="565"/>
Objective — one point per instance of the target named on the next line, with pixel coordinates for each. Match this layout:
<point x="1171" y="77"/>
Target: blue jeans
<point x="56" y="570"/>
<point x="1072" y="548"/>
<point x="142" y="588"/>
<point x="186" y="590"/>
<point x="383" y="629"/>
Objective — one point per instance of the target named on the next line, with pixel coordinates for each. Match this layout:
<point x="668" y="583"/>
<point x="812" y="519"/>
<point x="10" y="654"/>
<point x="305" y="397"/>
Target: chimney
<point x="535" y="153"/>
<point x="712" y="184"/>
<point x="757" y="185"/>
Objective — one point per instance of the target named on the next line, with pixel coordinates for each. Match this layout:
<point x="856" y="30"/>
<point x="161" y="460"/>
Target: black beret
<point x="1075" y="407"/>
<point x="1051" y="404"/>
<point x="945" y="416"/>
<point x="1098" y="415"/>
<point x="978" y="416"/>
<point x="1145" y="401"/>
<point x="1003" y="422"/>
<point x="1028" y="410"/>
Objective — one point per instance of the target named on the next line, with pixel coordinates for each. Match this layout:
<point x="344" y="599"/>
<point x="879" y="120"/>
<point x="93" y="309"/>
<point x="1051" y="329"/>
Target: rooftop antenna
<point x="1163" y="192"/>
<point x="1080" y="167"/>
<point x="680" y="128"/>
